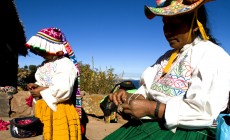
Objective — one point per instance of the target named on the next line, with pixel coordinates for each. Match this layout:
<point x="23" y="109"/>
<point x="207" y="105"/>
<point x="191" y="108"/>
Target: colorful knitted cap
<point x="49" y="40"/>
<point x="172" y="7"/>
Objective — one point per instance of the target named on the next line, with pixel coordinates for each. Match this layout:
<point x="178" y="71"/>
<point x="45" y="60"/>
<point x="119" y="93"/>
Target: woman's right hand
<point x="119" y="97"/>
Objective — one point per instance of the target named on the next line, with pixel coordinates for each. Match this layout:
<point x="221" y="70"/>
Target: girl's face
<point x="46" y="56"/>
<point x="176" y="31"/>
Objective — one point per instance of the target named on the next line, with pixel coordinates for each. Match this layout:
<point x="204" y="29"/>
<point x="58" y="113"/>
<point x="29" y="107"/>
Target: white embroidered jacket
<point x="195" y="90"/>
<point x="59" y="76"/>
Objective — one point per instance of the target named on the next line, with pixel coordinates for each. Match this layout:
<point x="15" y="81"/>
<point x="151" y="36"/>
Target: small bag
<point x="25" y="127"/>
<point x="223" y="127"/>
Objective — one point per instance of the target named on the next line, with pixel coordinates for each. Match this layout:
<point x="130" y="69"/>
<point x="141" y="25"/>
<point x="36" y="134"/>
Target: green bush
<point x="92" y="81"/>
<point x="95" y="81"/>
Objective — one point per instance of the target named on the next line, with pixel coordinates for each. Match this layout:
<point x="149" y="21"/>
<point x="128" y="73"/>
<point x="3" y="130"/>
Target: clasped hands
<point x="134" y="105"/>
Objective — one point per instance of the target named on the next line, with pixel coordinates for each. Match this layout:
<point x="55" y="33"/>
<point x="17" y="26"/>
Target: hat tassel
<point x="201" y="28"/>
<point x="190" y="30"/>
<point x="202" y="31"/>
<point x="171" y="59"/>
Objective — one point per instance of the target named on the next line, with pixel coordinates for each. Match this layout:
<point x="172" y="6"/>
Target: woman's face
<point x="176" y="31"/>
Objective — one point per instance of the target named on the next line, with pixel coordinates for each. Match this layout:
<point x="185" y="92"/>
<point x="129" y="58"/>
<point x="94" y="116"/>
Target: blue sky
<point x="111" y="33"/>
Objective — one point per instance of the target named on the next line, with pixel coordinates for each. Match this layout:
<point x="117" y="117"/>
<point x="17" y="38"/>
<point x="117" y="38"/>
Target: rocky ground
<point x="96" y="129"/>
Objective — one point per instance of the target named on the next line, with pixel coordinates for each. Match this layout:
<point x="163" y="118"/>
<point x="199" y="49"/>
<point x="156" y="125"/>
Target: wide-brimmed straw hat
<point x="48" y="40"/>
<point x="172" y="7"/>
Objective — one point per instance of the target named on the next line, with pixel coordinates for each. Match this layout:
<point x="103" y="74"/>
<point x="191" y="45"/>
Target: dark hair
<point x="203" y="18"/>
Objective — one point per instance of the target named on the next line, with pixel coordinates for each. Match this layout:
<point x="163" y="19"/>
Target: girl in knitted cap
<point x="183" y="93"/>
<point x="55" y="83"/>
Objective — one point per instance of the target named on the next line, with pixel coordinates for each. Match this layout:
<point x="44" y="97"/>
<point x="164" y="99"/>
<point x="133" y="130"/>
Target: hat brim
<point x="172" y="10"/>
<point x="43" y="45"/>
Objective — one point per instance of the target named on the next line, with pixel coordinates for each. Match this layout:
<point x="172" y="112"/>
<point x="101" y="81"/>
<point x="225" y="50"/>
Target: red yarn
<point x="29" y="101"/>
<point x="3" y="125"/>
<point x="82" y="129"/>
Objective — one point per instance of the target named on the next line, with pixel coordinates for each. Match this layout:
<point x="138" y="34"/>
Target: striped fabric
<point x="78" y="95"/>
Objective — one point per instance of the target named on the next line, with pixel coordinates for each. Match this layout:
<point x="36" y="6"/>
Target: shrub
<point x="96" y="81"/>
<point x="92" y="81"/>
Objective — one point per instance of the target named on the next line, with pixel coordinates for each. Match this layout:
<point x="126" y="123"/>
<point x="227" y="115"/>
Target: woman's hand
<point x="136" y="105"/>
<point x="137" y="108"/>
<point x="119" y="97"/>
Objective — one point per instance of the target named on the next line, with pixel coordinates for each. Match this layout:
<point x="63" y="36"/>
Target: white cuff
<point x="172" y="112"/>
<point x="49" y="99"/>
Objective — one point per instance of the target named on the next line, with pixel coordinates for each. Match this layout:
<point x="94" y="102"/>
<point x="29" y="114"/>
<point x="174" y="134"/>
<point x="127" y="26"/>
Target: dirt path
<point x="96" y="129"/>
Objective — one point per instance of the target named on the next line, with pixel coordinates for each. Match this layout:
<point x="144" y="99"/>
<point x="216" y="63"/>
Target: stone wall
<point x="4" y="105"/>
<point x="19" y="108"/>
<point x="91" y="104"/>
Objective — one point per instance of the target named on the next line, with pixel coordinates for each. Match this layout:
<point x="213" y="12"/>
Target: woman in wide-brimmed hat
<point x="182" y="94"/>
<point x="55" y="85"/>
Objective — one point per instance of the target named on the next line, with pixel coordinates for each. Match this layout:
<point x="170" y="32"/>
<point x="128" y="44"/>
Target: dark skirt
<point x="146" y="130"/>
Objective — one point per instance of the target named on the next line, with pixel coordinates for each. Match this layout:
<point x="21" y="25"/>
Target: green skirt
<point x="146" y="130"/>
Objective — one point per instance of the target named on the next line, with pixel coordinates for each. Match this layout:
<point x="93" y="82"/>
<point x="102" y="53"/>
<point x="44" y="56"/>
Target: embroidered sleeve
<point x="62" y="84"/>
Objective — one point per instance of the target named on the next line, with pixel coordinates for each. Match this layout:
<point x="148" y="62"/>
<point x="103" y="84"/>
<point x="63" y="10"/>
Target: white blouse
<point x="59" y="76"/>
<point x="195" y="90"/>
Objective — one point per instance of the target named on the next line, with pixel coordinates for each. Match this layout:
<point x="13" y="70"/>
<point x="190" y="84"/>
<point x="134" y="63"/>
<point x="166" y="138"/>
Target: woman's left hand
<point x="137" y="108"/>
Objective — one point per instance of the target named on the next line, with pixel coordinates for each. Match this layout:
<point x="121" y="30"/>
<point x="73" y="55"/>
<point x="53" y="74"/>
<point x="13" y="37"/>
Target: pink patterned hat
<point x="49" y="40"/>
<point x="172" y="7"/>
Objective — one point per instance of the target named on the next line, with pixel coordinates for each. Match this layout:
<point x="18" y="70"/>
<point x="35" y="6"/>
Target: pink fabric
<point x="29" y="101"/>
<point x="3" y="125"/>
<point x="53" y="33"/>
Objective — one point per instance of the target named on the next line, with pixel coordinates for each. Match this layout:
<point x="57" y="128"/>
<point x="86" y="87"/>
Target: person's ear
<point x="60" y="53"/>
